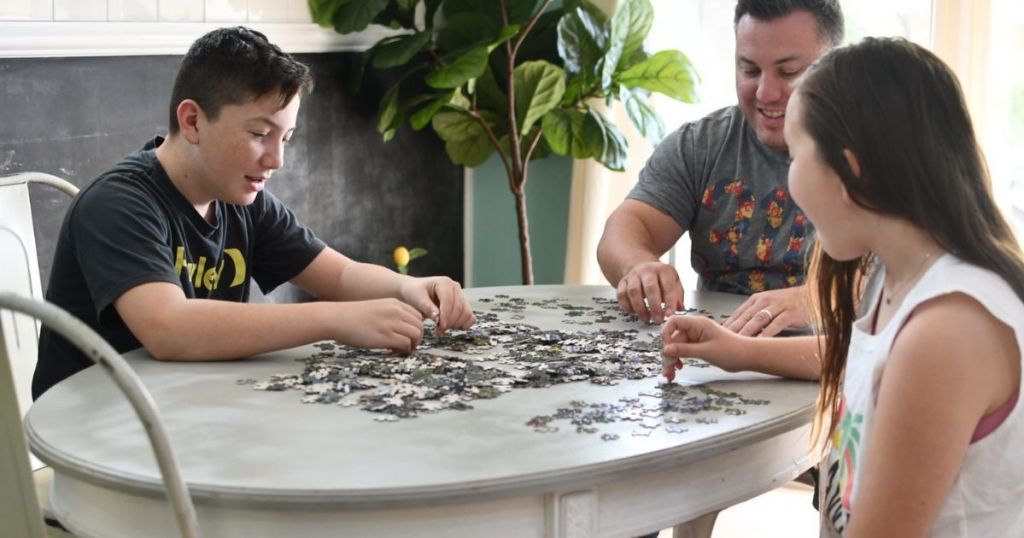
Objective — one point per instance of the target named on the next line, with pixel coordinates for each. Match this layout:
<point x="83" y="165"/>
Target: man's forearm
<point x="624" y="244"/>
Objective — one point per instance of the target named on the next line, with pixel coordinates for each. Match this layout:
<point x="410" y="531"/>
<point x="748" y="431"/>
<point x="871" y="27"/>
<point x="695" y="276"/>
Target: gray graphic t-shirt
<point x="728" y="189"/>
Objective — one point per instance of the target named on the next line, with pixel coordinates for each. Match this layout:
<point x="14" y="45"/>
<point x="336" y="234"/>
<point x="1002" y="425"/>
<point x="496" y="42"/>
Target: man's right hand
<point x="651" y="290"/>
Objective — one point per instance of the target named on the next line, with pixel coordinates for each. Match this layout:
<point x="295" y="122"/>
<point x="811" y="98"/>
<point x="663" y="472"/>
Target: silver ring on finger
<point x="767" y="314"/>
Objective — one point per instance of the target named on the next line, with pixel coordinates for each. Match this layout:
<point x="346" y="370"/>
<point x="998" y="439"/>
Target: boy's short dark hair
<point x="231" y="66"/>
<point x="827" y="13"/>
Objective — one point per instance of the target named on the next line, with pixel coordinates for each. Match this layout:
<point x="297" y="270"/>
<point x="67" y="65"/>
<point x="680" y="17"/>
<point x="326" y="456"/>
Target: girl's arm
<point x="697" y="336"/>
<point x="951" y="364"/>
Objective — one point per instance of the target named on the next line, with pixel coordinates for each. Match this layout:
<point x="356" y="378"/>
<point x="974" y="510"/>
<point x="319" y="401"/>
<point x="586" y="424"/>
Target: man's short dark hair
<point x="827" y="13"/>
<point x="231" y="66"/>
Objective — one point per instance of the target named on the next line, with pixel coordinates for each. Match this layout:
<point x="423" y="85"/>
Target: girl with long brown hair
<point x="920" y="375"/>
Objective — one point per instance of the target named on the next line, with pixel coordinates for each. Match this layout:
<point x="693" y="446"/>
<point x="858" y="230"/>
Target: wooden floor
<point x="783" y="513"/>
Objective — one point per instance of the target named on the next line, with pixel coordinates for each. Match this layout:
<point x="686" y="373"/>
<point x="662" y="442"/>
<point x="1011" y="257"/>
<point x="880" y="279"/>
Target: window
<point x="1002" y="115"/>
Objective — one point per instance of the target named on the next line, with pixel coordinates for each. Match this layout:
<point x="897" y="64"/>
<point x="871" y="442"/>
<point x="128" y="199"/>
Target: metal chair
<point x="19" y="338"/>
<point x="20" y="512"/>
<point x="19" y="273"/>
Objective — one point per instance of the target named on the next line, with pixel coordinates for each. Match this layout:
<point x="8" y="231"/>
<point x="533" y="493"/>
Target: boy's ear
<point x="188" y="120"/>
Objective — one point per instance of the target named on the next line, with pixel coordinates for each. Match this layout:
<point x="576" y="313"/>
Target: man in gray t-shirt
<point x="723" y="179"/>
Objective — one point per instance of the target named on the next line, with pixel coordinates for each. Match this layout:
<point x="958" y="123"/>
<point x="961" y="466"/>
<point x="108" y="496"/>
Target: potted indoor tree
<point x="516" y="77"/>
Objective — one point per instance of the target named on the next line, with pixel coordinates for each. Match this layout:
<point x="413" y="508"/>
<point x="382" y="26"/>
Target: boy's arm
<point x="174" y="327"/>
<point x="335" y="277"/>
<point x="332" y="276"/>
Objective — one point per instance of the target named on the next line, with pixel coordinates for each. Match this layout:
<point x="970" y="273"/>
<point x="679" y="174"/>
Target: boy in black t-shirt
<point x="159" y="250"/>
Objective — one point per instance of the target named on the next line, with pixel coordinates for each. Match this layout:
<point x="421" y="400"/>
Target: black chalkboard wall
<point x="75" y="117"/>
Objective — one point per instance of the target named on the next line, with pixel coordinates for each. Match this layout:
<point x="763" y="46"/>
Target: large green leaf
<point x="605" y="141"/>
<point x="399" y="51"/>
<point x="464" y="30"/>
<point x="539" y="88"/>
<point x="595" y="12"/>
<point x="355" y="15"/>
<point x="388" y="114"/>
<point x="630" y="26"/>
<point x="581" y="42"/>
<point x="627" y="30"/>
<point x="610" y="62"/>
<point x="490" y="96"/>
<point x="518" y="10"/>
<point x="506" y="33"/>
<point x="323" y="11"/>
<point x="563" y="131"/>
<point x="669" y="72"/>
<point x="421" y="118"/>
<point x="644" y="117"/>
<point x="464" y="68"/>
<point x="464" y="138"/>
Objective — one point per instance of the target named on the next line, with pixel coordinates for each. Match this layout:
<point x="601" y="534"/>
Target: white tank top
<point x="987" y="498"/>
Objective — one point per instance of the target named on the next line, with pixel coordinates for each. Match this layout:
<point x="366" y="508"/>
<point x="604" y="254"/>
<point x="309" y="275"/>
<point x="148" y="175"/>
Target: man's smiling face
<point x="770" y="55"/>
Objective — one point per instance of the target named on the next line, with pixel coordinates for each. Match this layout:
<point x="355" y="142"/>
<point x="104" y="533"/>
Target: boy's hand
<point x="379" y="324"/>
<point x="440" y="299"/>
<point x="698" y="336"/>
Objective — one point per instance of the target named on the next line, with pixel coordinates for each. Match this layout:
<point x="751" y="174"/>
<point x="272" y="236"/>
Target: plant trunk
<point x="524" y="231"/>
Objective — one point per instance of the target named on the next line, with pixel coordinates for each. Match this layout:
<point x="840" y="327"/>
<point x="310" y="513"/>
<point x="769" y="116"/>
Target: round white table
<point x="264" y="464"/>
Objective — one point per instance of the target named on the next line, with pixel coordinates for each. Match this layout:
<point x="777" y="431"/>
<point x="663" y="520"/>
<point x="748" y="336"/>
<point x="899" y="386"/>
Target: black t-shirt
<point x="132" y="226"/>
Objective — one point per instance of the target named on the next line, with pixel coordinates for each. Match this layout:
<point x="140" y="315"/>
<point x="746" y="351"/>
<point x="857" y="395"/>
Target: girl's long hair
<point x="900" y="110"/>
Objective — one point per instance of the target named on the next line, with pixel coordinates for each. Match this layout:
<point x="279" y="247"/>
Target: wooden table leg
<point x="696" y="528"/>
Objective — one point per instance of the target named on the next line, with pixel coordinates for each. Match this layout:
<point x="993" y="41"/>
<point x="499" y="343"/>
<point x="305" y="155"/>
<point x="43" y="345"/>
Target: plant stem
<point x="526" y="261"/>
<point x="516" y="163"/>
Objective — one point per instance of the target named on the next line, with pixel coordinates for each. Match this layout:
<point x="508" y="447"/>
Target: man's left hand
<point x="770" y="312"/>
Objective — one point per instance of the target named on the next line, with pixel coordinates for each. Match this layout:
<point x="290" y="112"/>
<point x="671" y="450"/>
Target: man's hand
<point x="651" y="291"/>
<point x="440" y="299"/>
<point x="635" y="236"/>
<point x="769" y="312"/>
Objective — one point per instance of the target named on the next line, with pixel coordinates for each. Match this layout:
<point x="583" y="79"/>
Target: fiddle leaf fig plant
<point x="516" y="78"/>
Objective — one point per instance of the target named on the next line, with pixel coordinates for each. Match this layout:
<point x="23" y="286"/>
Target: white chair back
<point x="19" y="273"/>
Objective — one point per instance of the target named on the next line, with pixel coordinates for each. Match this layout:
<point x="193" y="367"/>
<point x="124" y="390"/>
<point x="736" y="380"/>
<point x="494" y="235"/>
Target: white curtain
<point x="960" y="30"/>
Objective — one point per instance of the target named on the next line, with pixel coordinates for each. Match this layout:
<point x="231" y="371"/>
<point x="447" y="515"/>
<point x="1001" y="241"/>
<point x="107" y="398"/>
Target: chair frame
<point x="39" y="177"/>
<point x="101" y="352"/>
<point x="34" y="283"/>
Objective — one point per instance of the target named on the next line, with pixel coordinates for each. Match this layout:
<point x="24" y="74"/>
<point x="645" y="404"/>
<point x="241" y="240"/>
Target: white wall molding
<point x="61" y="39"/>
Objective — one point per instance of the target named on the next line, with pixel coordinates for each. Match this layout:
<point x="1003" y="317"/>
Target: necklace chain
<point x="902" y="287"/>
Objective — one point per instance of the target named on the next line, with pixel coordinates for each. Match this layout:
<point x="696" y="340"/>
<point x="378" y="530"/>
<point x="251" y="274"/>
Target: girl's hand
<point x="698" y="336"/>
